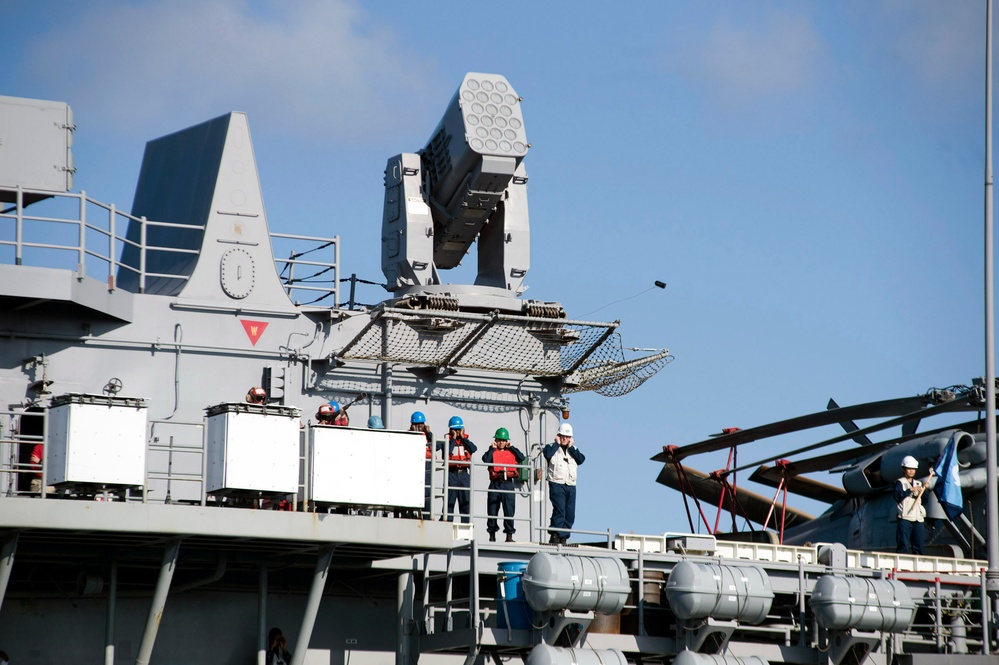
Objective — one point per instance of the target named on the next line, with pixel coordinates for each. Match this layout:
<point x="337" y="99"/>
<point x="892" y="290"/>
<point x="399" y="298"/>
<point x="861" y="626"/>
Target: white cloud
<point x="940" y="42"/>
<point x="314" y="66"/>
<point x="741" y="62"/>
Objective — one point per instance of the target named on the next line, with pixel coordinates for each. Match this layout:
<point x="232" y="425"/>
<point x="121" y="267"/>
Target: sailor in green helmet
<point x="503" y="460"/>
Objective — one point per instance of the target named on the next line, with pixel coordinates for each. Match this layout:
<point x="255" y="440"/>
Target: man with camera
<point x="503" y="459"/>
<point x="563" y="458"/>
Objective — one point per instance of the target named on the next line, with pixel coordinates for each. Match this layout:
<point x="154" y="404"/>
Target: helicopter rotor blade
<point x="882" y="409"/>
<point x="943" y="407"/>
<point x="849" y="425"/>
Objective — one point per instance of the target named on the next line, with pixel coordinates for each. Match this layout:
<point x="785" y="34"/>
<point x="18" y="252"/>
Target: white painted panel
<point x="367" y="467"/>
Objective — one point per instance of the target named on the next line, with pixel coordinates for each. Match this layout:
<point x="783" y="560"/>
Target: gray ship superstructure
<point x="172" y="521"/>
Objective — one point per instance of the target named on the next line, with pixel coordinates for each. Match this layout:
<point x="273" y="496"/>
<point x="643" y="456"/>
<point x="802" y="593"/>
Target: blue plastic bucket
<point x="512" y="610"/>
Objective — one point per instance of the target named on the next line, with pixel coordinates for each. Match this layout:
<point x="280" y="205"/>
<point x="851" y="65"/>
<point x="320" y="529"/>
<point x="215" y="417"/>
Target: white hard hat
<point x="565" y="429"/>
<point x="909" y="462"/>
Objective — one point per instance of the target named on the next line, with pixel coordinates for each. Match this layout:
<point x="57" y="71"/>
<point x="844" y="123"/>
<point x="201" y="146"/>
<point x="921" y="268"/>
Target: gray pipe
<point x="312" y="605"/>
<point x="159" y="602"/>
<point x="220" y="568"/>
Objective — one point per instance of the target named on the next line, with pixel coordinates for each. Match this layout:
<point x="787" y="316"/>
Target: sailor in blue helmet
<point x="418" y="423"/>
<point x="459" y="459"/>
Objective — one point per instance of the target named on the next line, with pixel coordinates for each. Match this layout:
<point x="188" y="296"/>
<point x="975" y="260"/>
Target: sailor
<point x="256" y="395"/>
<point x="563" y="458"/>
<point x="459" y="455"/>
<point x="503" y="459"/>
<point x="340" y="419"/>
<point x="909" y="532"/>
<point x="418" y="423"/>
<point x="375" y="422"/>
<point x="277" y="648"/>
<point x="330" y="413"/>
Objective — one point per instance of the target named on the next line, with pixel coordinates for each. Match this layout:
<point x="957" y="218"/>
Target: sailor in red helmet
<point x="256" y="395"/>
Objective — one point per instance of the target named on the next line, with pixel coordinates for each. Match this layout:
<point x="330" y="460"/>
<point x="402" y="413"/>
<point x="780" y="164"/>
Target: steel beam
<point x="159" y="602"/>
<point x="7" y="549"/>
<point x="312" y="605"/>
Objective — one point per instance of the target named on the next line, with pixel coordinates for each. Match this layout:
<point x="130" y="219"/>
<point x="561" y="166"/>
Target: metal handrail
<point x="112" y="241"/>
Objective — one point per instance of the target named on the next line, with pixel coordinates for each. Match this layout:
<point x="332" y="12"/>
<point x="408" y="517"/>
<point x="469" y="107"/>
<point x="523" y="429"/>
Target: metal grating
<point x="607" y="372"/>
<point x="588" y="352"/>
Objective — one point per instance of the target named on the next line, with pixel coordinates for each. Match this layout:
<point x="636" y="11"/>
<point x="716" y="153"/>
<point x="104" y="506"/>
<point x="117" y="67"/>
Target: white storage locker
<point x="253" y="448"/>
<point x="96" y="439"/>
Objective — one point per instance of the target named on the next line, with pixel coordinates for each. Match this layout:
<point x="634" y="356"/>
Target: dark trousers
<point x="505" y="498"/>
<point x="910" y="536"/>
<point x="458" y="479"/>
<point x="563" y="508"/>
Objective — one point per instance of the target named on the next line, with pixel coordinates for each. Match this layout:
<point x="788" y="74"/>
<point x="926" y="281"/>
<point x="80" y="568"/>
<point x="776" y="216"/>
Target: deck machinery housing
<point x="129" y="340"/>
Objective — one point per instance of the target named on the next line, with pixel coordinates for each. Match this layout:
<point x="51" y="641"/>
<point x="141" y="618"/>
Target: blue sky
<point x="806" y="176"/>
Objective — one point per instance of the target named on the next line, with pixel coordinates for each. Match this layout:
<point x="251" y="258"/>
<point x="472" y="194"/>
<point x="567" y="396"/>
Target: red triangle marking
<point x="254" y="329"/>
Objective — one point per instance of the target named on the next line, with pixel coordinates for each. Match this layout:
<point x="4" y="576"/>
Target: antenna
<point x="657" y="283"/>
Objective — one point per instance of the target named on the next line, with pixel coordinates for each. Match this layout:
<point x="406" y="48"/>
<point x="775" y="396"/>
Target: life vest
<point x="503" y="466"/>
<point x="459" y="453"/>
<point x="910" y="508"/>
<point x="562" y="467"/>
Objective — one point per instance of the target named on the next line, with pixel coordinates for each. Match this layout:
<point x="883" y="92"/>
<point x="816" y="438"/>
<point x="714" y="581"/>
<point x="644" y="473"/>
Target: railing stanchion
<point x="81" y="250"/>
<point x="142" y="254"/>
<point x="19" y="227"/>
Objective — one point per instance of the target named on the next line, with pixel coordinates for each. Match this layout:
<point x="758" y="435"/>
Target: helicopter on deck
<point x="861" y="513"/>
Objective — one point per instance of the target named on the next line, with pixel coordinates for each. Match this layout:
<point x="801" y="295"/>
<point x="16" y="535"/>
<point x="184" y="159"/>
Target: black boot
<point x="554" y="540"/>
<point x="563" y="540"/>
<point x="492" y="537"/>
<point x="509" y="537"/>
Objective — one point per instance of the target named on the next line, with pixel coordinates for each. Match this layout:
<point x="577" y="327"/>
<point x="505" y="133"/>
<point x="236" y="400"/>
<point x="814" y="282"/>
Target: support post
<point x="312" y="605"/>
<point x="262" y="628"/>
<point x="159" y="602"/>
<point x="109" y="621"/>
<point x="404" y="616"/>
<point x="7" y="549"/>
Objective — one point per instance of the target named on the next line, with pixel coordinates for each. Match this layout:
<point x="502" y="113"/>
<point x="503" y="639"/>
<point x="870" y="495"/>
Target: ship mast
<point x="992" y="490"/>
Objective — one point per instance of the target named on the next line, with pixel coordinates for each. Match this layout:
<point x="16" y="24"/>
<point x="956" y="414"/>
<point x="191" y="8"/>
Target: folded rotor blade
<point x="806" y="487"/>
<point x="755" y="506"/>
